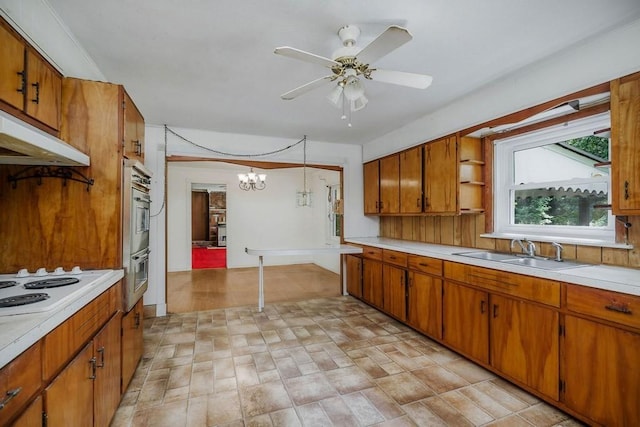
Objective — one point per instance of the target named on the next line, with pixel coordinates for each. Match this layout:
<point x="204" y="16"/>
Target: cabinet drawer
<point x="425" y="264"/>
<point x="607" y="305"/>
<point x="394" y="257"/>
<point x="532" y="288"/>
<point x="19" y="382"/>
<point x="372" y="253"/>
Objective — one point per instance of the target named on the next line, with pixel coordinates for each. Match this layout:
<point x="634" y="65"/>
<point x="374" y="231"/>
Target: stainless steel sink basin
<point x="542" y="263"/>
<point x="488" y="256"/>
<point x="545" y="264"/>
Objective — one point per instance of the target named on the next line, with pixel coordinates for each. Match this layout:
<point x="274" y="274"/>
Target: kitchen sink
<point x="488" y="256"/>
<point x="535" y="262"/>
<point x="545" y="264"/>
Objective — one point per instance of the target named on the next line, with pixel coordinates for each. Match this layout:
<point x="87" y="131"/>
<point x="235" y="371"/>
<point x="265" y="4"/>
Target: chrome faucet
<point x="529" y="249"/>
<point x="559" y="248"/>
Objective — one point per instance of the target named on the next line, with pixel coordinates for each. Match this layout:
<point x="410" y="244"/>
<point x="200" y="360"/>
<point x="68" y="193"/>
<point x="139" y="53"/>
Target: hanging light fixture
<point x="252" y="180"/>
<point x="348" y="94"/>
<point x="304" y="197"/>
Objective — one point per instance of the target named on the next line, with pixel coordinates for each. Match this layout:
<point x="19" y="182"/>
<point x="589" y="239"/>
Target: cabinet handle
<point x="92" y="362"/>
<point x="8" y="396"/>
<point x="422" y="264"/>
<point x="618" y="308"/>
<point x="495" y="310"/>
<point x="626" y="190"/>
<point x="426" y="201"/>
<point x="101" y="351"/>
<point x="23" y="81"/>
<point x="136" y="318"/>
<point x="36" y="100"/>
<point x="483" y="306"/>
<point x="138" y="146"/>
<point x="418" y="202"/>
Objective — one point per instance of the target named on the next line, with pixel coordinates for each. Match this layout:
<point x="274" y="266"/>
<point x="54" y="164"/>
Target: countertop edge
<point x="612" y="278"/>
<point x="33" y="327"/>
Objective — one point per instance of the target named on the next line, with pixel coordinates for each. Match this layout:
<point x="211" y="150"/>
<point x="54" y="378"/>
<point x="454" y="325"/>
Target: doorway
<point x="208" y="226"/>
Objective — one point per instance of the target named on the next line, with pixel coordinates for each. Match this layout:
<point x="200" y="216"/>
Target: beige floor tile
<point x="264" y="398"/>
<point x="324" y="361"/>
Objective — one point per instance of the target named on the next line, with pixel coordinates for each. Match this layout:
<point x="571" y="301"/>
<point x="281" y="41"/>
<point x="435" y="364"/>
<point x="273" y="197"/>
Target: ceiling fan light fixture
<point x="353" y="88"/>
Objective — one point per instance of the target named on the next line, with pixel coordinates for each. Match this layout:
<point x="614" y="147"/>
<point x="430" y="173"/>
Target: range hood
<point x="23" y="144"/>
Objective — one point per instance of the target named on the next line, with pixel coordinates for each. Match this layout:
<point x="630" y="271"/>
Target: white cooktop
<point x="57" y="296"/>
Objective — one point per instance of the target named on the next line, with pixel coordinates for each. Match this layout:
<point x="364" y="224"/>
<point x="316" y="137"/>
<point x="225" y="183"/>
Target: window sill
<point x="565" y="240"/>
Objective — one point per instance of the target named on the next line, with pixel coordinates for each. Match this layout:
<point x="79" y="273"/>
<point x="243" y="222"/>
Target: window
<point x="555" y="182"/>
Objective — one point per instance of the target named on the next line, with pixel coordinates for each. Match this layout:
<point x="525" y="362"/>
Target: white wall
<point x="587" y="64"/>
<point x="268" y="218"/>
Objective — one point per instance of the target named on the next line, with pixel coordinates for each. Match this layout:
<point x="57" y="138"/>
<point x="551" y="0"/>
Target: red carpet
<point x="208" y="258"/>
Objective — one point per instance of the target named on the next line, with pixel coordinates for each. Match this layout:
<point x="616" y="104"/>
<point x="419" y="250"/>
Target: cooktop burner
<point x="22" y="299"/>
<point x="52" y="282"/>
<point x="7" y="283"/>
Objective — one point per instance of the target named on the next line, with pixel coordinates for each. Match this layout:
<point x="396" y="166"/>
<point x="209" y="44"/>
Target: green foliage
<point x="596" y="145"/>
<point x="532" y="210"/>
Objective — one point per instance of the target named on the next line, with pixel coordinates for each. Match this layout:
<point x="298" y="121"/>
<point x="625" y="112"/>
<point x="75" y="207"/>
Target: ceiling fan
<point x="349" y="63"/>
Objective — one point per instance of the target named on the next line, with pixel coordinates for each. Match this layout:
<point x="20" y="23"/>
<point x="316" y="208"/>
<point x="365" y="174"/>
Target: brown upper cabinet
<point x="133" y="138"/>
<point x="390" y="185"/>
<point x="30" y="87"/>
<point x="625" y="140"/>
<point x="411" y="180"/>
<point x="371" y="172"/>
<point x="445" y="176"/>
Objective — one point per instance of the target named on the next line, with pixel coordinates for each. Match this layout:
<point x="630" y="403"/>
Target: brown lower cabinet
<point x="87" y="391"/>
<point x="132" y="342"/>
<point x="394" y="299"/>
<point x="72" y="376"/>
<point x="372" y="282"/>
<point x="354" y="275"/>
<point x="466" y="320"/>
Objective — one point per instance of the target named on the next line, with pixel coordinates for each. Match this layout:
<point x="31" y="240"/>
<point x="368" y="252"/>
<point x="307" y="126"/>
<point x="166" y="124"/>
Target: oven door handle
<point x="141" y="256"/>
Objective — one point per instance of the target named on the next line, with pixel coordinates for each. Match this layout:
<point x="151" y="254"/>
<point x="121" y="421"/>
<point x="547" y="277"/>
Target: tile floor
<point x="319" y="362"/>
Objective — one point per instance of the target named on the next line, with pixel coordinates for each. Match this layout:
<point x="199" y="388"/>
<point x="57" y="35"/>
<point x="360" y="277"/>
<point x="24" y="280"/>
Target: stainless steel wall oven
<point x="136" y="219"/>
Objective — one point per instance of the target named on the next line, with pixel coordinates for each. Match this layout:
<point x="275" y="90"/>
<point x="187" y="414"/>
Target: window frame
<point x="504" y="186"/>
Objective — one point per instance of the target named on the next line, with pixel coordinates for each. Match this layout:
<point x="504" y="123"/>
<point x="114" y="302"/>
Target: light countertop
<point x="19" y="332"/>
<point x="619" y="279"/>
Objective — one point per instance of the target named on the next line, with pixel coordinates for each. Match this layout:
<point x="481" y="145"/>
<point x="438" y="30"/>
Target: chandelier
<point x="252" y="180"/>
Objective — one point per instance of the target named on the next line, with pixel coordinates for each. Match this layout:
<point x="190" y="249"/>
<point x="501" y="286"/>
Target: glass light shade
<point x="335" y="96"/>
<point x="353" y="89"/>
<point x="359" y="103"/>
<point x="262" y="177"/>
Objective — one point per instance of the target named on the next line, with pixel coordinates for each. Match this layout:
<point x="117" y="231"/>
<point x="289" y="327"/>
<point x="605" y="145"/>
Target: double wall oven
<point x="136" y="219"/>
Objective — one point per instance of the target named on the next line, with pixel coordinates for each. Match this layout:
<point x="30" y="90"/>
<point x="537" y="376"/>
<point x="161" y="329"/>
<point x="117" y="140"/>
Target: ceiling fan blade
<point x="391" y="39"/>
<point x="306" y="88"/>
<point x="305" y="56"/>
<point x="418" y="81"/>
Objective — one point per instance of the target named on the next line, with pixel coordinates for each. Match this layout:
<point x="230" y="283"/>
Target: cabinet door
<point x="411" y="181"/>
<point x="601" y="375"/>
<point x="133" y="136"/>
<point x="69" y="398"/>
<point x="132" y="343"/>
<point x="394" y="291"/>
<point x="32" y="416"/>
<point x="354" y="275"/>
<point x="441" y="176"/>
<point x="466" y="320"/>
<point x="371" y="175"/>
<point x="20" y="380"/>
<point x="625" y="140"/>
<point x="425" y="304"/>
<point x="390" y="184"/>
<point x="522" y="351"/>
<point x="11" y="66"/>
<point x="107" y="382"/>
<point x="44" y="91"/>
<point x="372" y="282"/>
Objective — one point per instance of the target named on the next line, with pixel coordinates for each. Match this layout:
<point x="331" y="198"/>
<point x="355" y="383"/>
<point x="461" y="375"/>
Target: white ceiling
<point x="207" y="64"/>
